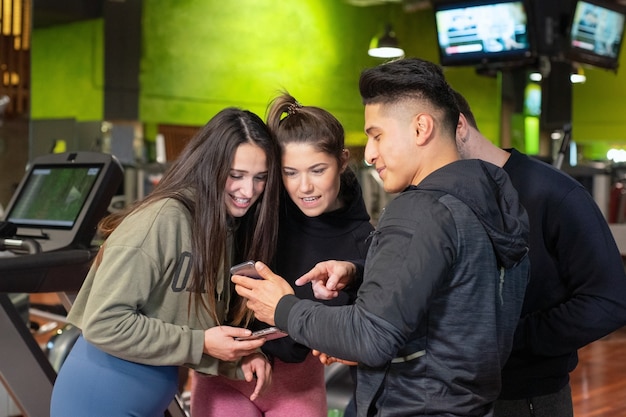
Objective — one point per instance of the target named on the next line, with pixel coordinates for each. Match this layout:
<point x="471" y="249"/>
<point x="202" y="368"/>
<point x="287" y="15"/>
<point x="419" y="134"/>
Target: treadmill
<point x="49" y="227"/>
<point x="47" y="234"/>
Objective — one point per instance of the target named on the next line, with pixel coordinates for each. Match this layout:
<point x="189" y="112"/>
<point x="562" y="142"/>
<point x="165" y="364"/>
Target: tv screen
<point x="54" y="195"/>
<point x="596" y="33"/>
<point x="475" y="33"/>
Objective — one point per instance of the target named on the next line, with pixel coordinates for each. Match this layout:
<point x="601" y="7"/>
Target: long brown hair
<point x="203" y="168"/>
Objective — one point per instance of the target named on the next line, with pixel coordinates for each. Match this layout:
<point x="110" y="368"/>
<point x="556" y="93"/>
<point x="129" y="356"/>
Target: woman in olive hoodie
<point x="158" y="294"/>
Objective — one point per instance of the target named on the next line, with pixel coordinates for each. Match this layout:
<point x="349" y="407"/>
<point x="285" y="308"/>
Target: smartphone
<point x="269" y="333"/>
<point x="245" y="268"/>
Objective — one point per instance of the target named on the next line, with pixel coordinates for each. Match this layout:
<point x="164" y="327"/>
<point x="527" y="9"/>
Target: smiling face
<point x="246" y="180"/>
<point x="391" y="147"/>
<point x="311" y="178"/>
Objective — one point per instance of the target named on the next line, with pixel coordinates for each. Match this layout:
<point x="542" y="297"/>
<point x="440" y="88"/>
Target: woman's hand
<point x="220" y="343"/>
<point x="257" y="365"/>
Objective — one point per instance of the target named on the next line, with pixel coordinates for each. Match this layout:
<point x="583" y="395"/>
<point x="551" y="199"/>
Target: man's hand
<point x="262" y="294"/>
<point x="328" y="278"/>
<point x="256" y="365"/>
<point x="219" y="342"/>
<point x="327" y="360"/>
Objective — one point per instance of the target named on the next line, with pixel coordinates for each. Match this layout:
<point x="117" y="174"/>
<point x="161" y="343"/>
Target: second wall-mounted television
<point x="596" y="33"/>
<point x="483" y="33"/>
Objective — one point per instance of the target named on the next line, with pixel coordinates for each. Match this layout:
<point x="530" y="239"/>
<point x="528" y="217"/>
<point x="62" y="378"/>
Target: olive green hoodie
<point x="135" y="304"/>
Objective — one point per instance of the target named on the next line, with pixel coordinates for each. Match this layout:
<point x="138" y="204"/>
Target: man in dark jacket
<point x="446" y="271"/>
<point x="577" y="288"/>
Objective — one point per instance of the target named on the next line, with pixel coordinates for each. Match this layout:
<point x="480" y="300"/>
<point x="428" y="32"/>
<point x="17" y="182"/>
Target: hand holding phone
<point x="246" y="269"/>
<point x="269" y="333"/>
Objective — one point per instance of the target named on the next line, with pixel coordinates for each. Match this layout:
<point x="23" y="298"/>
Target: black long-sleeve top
<point x="304" y="241"/>
<point x="577" y="288"/>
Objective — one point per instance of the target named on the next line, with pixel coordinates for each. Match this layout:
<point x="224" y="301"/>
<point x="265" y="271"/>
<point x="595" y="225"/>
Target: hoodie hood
<point x="487" y="190"/>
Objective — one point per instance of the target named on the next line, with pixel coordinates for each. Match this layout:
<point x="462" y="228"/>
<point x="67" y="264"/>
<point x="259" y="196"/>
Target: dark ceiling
<point x="55" y="12"/>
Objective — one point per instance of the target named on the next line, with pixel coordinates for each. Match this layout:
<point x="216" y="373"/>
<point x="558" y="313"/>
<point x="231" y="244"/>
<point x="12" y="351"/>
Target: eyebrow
<point x="243" y="171"/>
<point x="319" y="164"/>
<point x="368" y="131"/>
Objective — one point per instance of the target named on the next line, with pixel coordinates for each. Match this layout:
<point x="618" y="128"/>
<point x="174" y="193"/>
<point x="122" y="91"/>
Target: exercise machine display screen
<point x="54" y="195"/>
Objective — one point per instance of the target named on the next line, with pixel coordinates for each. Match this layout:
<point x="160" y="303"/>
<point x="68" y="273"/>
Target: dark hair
<point x="307" y="124"/>
<point x="464" y="108"/>
<point x="197" y="178"/>
<point x="410" y="79"/>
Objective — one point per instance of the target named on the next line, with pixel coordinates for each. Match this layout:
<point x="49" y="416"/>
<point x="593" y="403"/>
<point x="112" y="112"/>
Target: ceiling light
<point x="385" y="46"/>
<point x="578" y="75"/>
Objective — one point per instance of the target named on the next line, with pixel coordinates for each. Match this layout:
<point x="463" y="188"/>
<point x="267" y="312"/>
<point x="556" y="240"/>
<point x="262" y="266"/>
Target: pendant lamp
<point x="385" y="46"/>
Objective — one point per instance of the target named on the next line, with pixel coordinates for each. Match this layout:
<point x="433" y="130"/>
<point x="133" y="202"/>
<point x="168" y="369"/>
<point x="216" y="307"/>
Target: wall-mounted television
<point x="596" y="33"/>
<point x="483" y="33"/>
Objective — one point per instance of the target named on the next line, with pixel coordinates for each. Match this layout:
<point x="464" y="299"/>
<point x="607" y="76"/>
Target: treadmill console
<point x="62" y="197"/>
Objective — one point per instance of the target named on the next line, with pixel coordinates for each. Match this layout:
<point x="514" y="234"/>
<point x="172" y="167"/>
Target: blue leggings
<point x="95" y="384"/>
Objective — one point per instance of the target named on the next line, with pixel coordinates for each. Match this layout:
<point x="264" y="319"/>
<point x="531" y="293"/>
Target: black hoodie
<point x="304" y="241"/>
<point x="442" y="291"/>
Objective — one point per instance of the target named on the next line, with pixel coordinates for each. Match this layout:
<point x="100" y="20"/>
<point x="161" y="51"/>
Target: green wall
<point x="243" y="52"/>
<point x="599" y="111"/>
<point x="67" y="72"/>
<point x="199" y="56"/>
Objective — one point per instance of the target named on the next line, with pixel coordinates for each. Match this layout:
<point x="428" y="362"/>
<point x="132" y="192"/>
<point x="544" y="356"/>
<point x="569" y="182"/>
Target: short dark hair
<point x="410" y="79"/>
<point x="464" y="108"/>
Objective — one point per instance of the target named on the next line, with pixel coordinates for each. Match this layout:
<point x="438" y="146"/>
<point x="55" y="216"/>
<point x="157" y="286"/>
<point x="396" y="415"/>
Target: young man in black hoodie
<point x="446" y="270"/>
<point x="577" y="288"/>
